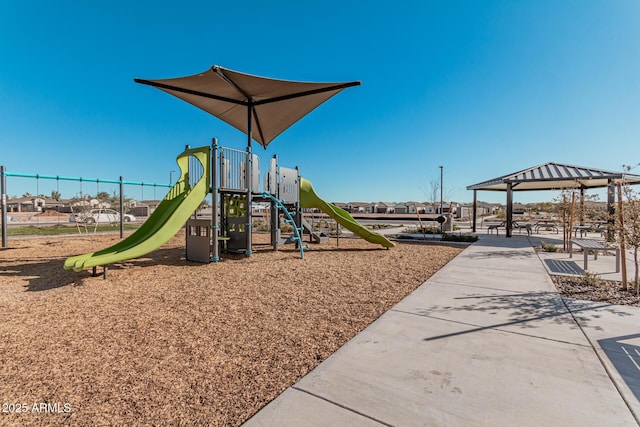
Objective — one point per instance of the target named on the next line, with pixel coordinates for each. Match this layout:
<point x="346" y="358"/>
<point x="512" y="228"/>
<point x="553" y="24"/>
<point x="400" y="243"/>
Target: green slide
<point x="168" y="218"/>
<point x="309" y="199"/>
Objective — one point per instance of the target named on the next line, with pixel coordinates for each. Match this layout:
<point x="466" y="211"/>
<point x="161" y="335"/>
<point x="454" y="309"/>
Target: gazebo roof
<point x="555" y="176"/>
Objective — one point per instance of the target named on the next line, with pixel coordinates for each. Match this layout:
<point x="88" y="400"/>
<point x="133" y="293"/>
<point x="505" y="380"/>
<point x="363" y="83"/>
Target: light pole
<point x="171" y="177"/>
<point x="441" y="213"/>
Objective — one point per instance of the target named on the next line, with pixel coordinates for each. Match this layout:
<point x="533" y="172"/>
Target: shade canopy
<point x="260" y="107"/>
<point x="555" y="176"/>
<point x="551" y="176"/>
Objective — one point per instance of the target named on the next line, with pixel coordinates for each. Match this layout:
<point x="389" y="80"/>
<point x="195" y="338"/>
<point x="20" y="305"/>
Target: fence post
<point x="3" y="195"/>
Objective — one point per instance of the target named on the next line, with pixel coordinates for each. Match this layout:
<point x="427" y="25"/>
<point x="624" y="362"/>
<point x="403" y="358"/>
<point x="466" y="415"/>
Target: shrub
<point x="468" y="238"/>
<point x="425" y="230"/>
<point x="590" y="279"/>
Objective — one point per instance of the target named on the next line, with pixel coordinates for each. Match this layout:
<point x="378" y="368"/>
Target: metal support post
<point x="121" y="209"/>
<point x="3" y="195"/>
<point x="215" y="189"/>
<point x="474" y="210"/>
<point x="582" y="205"/>
<point x="298" y="215"/>
<point x="441" y="213"/>
<point x="249" y="177"/>
<point x="275" y="216"/>
<point x="275" y="229"/>
<point x="611" y="209"/>
<point x="509" y="209"/>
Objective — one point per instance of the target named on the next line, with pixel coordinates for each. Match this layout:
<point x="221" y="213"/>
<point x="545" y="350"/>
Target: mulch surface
<point x="165" y="341"/>
<point x="596" y="290"/>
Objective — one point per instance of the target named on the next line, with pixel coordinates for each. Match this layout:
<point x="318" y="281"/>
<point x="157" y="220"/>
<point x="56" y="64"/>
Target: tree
<point x="432" y="194"/>
<point x="571" y="211"/>
<point x="563" y="211"/>
<point x="103" y="196"/>
<point x="629" y="227"/>
<point x="55" y="195"/>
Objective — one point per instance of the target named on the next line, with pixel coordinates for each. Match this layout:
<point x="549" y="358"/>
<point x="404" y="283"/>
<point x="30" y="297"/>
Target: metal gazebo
<point x="551" y="176"/>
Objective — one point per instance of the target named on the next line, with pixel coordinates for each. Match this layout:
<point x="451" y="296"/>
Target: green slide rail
<point x="168" y="218"/>
<point x="309" y="199"/>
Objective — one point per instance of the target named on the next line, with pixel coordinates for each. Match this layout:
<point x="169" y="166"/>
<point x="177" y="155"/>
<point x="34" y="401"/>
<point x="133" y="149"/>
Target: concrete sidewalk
<point x="486" y="341"/>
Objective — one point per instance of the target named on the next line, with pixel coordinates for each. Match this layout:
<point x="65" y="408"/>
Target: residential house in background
<point x="380" y="207"/>
<point x="357" y="207"/>
<point x="482" y="209"/>
<point x="144" y="207"/>
<point x="341" y="205"/>
<point x="409" y="208"/>
<point x="33" y="204"/>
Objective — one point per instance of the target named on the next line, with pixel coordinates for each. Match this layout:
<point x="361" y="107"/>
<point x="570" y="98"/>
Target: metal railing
<point x="233" y="169"/>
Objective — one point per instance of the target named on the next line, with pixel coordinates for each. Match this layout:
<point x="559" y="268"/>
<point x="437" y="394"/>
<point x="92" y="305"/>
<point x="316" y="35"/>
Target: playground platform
<point x="487" y="340"/>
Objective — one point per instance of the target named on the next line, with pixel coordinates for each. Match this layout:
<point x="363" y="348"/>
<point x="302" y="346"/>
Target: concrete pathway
<point x="486" y="341"/>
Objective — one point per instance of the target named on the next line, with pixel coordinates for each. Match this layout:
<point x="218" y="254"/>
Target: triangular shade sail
<point x="231" y="96"/>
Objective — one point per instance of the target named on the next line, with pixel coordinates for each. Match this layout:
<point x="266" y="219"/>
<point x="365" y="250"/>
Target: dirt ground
<point x="165" y="341"/>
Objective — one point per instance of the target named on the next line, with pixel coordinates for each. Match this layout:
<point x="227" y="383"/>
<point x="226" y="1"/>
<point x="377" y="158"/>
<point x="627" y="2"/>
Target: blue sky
<point x="483" y="88"/>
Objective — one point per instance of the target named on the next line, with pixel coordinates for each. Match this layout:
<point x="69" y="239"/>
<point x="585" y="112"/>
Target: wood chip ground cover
<point x="165" y="341"/>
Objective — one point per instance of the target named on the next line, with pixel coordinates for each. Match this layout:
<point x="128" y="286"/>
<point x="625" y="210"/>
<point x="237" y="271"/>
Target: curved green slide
<point x="309" y="199"/>
<point x="168" y="218"/>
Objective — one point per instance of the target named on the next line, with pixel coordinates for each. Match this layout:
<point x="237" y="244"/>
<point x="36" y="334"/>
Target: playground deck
<point x="167" y="341"/>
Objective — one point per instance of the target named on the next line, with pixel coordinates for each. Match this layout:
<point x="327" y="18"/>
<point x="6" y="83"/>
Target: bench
<point x="496" y="227"/>
<point x="521" y="227"/>
<point x="594" y="245"/>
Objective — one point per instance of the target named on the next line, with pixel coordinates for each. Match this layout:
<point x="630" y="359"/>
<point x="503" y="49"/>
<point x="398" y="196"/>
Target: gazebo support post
<point x="581" y="204"/>
<point x="474" y="210"/>
<point x="611" y="200"/>
<point x="509" y="209"/>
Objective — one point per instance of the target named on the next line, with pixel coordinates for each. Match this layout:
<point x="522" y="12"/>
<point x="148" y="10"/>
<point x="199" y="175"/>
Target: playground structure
<point x="219" y="171"/>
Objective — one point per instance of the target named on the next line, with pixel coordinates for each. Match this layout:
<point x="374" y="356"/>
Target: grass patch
<point x="53" y="230"/>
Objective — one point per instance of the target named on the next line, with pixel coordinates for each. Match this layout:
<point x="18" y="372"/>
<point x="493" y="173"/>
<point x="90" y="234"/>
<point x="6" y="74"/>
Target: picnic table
<point x="544" y="224"/>
<point x="594" y="245"/>
<point x="520" y="226"/>
<point x="582" y="229"/>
